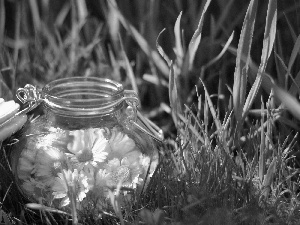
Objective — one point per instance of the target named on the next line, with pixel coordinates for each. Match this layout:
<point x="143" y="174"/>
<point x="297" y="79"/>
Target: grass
<point x="221" y="80"/>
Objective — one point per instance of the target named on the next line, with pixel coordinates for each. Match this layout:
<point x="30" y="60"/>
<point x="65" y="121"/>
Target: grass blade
<point x="158" y="61"/>
<point x="218" y="57"/>
<point x="178" y="42"/>
<point x="269" y="178"/>
<point x="288" y="100"/>
<point x="211" y="108"/>
<point x="278" y="53"/>
<point x="270" y="32"/>
<point x="267" y="80"/>
<point x="194" y="43"/>
<point x="225" y="11"/>
<point x="62" y="14"/>
<point x="261" y="162"/>
<point x="173" y="95"/>
<point x="241" y="69"/>
<point x="160" y="49"/>
<point x="129" y="69"/>
<point x="35" y="14"/>
<point x="293" y="33"/>
<point x="37" y="206"/>
<point x="82" y="11"/>
<point x="5" y="91"/>
<point x="294" y="54"/>
<point x="114" y="64"/>
<point x="17" y="30"/>
<point x="2" y="21"/>
<point x="268" y="43"/>
<point x="295" y="87"/>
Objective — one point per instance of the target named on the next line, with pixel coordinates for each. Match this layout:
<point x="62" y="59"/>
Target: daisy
<point x="54" y="137"/>
<point x="25" y="168"/>
<point x="115" y="172"/>
<point x="89" y="173"/>
<point x="29" y="154"/>
<point x="96" y="199"/>
<point x="101" y="178"/>
<point x="148" y="163"/>
<point x="100" y="190"/>
<point x="37" y="190"/>
<point x="120" y="146"/>
<point x="49" y="162"/>
<point x="123" y="171"/>
<point x="31" y="185"/>
<point x="70" y="180"/>
<point x="87" y="147"/>
<point x="26" y="163"/>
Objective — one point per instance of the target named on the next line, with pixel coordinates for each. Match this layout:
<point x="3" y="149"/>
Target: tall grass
<point x="223" y="89"/>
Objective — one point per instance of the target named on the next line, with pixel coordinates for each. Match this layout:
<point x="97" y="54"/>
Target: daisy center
<point x="56" y="168"/>
<point x="85" y="156"/>
<point x="121" y="174"/>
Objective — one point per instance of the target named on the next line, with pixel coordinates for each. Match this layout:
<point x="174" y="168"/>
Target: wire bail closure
<point x="31" y="96"/>
<point x="132" y="101"/>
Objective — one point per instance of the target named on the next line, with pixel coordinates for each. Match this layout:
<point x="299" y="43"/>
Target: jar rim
<point x="83" y="96"/>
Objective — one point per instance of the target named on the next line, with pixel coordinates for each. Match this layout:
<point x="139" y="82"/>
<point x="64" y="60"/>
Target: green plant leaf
<point x="268" y="43"/>
<point x="129" y="70"/>
<point x="173" y="95"/>
<point x="158" y="61"/>
<point x="241" y="69"/>
<point x="295" y="85"/>
<point x="289" y="101"/>
<point x="5" y="218"/>
<point x="5" y="91"/>
<point x="37" y="206"/>
<point x="194" y="43"/>
<point x="261" y="161"/>
<point x="35" y="14"/>
<point x="270" y="172"/>
<point x="2" y="21"/>
<point x="219" y="56"/>
<point x="178" y="42"/>
<point x="293" y="33"/>
<point x="267" y="80"/>
<point x="225" y="11"/>
<point x="158" y="216"/>
<point x="211" y="108"/>
<point x="161" y="51"/>
<point x="147" y="216"/>
<point x="114" y="64"/>
<point x="295" y="52"/>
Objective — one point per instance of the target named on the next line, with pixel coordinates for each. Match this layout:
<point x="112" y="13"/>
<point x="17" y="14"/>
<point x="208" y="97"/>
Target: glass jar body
<point x="86" y="153"/>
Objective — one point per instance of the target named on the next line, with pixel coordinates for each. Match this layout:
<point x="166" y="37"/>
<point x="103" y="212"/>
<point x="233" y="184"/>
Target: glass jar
<point x="89" y="139"/>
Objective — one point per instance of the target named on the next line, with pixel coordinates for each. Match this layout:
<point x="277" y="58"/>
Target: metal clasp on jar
<point x="28" y="95"/>
<point x="153" y="131"/>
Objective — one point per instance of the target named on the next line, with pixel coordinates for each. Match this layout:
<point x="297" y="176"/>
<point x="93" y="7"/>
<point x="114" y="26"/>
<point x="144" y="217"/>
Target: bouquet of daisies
<point x="85" y="164"/>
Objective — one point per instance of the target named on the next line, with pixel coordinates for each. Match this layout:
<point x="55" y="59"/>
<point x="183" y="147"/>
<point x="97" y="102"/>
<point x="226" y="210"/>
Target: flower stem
<point x="72" y="197"/>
